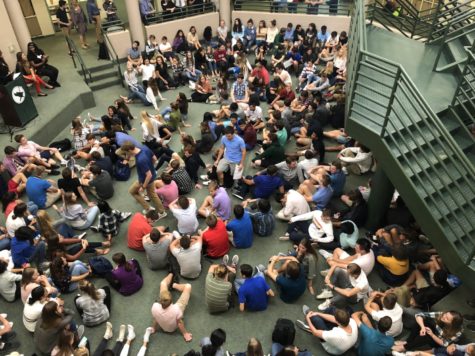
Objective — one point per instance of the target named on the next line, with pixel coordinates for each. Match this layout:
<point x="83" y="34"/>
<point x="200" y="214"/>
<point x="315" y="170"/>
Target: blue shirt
<point x="242" y="231"/>
<point x="250" y="33"/>
<point x="289" y="34"/>
<point x="121" y="137"/>
<point x="144" y="163"/>
<point x="233" y="148"/>
<point x="21" y="251"/>
<point x="337" y="182"/>
<point x="349" y="240"/>
<point x="323" y="37"/>
<point x="291" y="289"/>
<point x="145" y="7"/>
<point x="253" y="293"/>
<point x="322" y="196"/>
<point x="265" y="185"/>
<point x="373" y="342"/>
<point x="36" y="190"/>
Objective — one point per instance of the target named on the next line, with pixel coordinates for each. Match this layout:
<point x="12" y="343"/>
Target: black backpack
<point x="100" y="266"/>
<point x="284" y="332"/>
<point x="63" y="145"/>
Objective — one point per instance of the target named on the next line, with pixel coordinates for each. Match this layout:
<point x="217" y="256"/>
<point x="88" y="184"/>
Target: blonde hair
<point x="45" y="223"/>
<point x="165" y="299"/>
<point x="146" y="121"/>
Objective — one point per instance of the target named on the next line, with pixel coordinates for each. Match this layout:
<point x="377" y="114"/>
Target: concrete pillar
<point x="19" y="25"/>
<point x="382" y="191"/>
<point x="135" y="22"/>
<point x="225" y="12"/>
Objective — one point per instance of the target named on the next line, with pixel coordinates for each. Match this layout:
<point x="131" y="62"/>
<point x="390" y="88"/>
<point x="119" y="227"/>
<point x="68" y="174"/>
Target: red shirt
<point x="138" y="228"/>
<point x="261" y="74"/>
<point x="286" y="93"/>
<point x="216" y="240"/>
<point x="219" y="55"/>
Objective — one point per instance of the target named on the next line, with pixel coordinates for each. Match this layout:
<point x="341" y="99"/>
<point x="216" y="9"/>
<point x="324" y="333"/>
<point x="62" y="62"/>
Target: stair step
<point x="104" y="83"/>
<point x="457" y="50"/>
<point x="110" y="73"/>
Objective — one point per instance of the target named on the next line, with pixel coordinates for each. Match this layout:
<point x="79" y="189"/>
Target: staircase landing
<point x="417" y="59"/>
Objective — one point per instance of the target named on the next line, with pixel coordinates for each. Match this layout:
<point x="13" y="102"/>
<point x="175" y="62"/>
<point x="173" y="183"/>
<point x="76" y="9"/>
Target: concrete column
<point x="225" y="12"/>
<point x="135" y="22"/>
<point x="19" y="25"/>
<point x="382" y="191"/>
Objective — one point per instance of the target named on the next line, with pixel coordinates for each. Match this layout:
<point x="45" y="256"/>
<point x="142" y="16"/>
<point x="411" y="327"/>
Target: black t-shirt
<point x="62" y="16"/>
<point x="36" y="57"/>
<point x="69" y="185"/>
<point x="105" y="164"/>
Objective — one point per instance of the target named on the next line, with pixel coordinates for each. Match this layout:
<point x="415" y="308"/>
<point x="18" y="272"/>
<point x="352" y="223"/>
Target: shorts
<point x="12" y="186"/>
<point x="343" y="139"/>
<point x="45" y="154"/>
<point x="225" y="165"/>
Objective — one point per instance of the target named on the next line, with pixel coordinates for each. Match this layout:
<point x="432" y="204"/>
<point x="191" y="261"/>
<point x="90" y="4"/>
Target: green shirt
<point x="175" y="119"/>
<point x="217" y="292"/>
<point x="275" y="153"/>
<point x="282" y="137"/>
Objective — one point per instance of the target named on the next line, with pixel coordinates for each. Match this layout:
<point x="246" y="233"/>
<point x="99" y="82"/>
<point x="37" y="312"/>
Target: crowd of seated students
<point x="323" y="212"/>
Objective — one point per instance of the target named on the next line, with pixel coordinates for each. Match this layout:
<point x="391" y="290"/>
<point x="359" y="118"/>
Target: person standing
<point x="95" y="17"/>
<point x="63" y="20"/>
<point x="145" y="162"/>
<point x="79" y="21"/>
<point x="233" y="149"/>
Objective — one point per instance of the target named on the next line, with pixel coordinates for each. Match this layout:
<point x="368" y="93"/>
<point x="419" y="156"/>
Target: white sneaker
<point x="325" y="305"/>
<point x="63" y="162"/>
<point x="4" y="315"/>
<point x="121" y="333"/>
<point x="324" y="272"/>
<point x="108" y="333"/>
<point x="206" y="182"/>
<point x="126" y="215"/>
<point x="204" y="177"/>
<point x="305" y="309"/>
<point x="284" y="238"/>
<point x="162" y="215"/>
<point x="130" y="332"/>
<point x="83" y="235"/>
<point x="235" y="261"/>
<point x="225" y="260"/>
<point x="325" y="294"/>
<point x="303" y="326"/>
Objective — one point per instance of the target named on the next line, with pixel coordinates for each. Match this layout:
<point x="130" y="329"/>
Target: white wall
<point x="121" y="42"/>
<point x="8" y="38"/>
<point x="333" y="23"/>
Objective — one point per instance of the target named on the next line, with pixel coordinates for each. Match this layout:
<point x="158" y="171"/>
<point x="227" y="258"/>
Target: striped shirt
<point x="263" y="223"/>
<point x="217" y="292"/>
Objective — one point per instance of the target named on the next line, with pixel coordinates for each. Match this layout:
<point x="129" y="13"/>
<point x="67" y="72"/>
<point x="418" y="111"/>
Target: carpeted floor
<point x="135" y="309"/>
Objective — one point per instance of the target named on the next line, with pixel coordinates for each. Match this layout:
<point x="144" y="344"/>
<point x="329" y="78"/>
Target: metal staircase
<point x="432" y="171"/>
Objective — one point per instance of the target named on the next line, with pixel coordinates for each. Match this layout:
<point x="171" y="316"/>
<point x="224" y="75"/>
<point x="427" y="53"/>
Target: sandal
<point x="42" y="94"/>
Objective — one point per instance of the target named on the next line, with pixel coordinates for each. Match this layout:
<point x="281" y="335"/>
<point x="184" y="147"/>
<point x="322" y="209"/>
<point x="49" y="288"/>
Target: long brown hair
<point x="46" y="224"/>
<point x="49" y="315"/>
<point x="77" y="125"/>
<point x="64" y="345"/>
<point x="450" y="330"/>
<point x="89" y="288"/>
<point x="254" y="348"/>
<point x="152" y="83"/>
<point x="27" y="276"/>
<point x="121" y="261"/>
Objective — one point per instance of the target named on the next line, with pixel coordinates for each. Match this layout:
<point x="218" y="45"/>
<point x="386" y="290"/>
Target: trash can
<point x="16" y="105"/>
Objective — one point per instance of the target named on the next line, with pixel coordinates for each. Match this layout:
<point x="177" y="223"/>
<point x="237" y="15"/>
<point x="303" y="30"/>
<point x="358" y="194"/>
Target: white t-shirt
<point x="189" y="260"/>
<point x="366" y="262"/>
<point x="396" y="316"/>
<point x="13" y="224"/>
<point x="147" y="71"/>
<point x="285" y="76"/>
<point x="254" y="115"/>
<point x="362" y="284"/>
<point x="165" y="47"/>
<point x="338" y="341"/>
<point x="187" y="221"/>
<point x="295" y="204"/>
<point x="31" y="314"/>
<point x="323" y="234"/>
<point x="8" y="285"/>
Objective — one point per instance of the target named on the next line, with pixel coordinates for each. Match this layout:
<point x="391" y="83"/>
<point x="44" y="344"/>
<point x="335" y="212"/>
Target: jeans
<point x="64" y="229"/>
<point x="238" y="282"/>
<point x="5" y="244"/>
<point x="212" y="66"/>
<point x="76" y="268"/>
<point x="32" y="207"/>
<point x="138" y="92"/>
<point x="91" y="216"/>
<point x="91" y="248"/>
<point x="166" y="113"/>
<point x="192" y="77"/>
<point x="103" y="346"/>
<point x="341" y="279"/>
<point x="298" y="230"/>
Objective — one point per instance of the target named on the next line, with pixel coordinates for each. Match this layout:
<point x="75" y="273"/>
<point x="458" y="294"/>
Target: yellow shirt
<point x="394" y="266"/>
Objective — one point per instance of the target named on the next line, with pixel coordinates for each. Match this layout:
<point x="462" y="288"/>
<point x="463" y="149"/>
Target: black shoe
<point x="57" y="85"/>
<point x="54" y="172"/>
<point x="8" y="336"/>
<point x="54" y="166"/>
<point x="9" y="346"/>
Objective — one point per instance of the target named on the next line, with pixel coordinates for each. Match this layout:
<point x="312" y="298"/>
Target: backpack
<point x="228" y="180"/>
<point x="100" y="266"/>
<point x="63" y="145"/>
<point x="284" y="332"/>
<point x="122" y="171"/>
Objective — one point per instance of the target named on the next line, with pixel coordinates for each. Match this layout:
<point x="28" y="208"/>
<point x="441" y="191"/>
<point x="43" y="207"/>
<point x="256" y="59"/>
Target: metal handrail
<point x="75" y="53"/>
<point x="407" y="105"/>
<point x="461" y="91"/>
<point x="341" y="9"/>
<point x="114" y="58"/>
<point x="191" y="10"/>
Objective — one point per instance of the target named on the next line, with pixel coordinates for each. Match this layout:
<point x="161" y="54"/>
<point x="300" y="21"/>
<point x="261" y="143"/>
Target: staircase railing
<point x="114" y="57"/>
<point x="75" y="53"/>
<point x="327" y="8"/>
<point x="464" y="97"/>
<point x="429" y="24"/>
<point x="384" y="95"/>
<point x="191" y="10"/>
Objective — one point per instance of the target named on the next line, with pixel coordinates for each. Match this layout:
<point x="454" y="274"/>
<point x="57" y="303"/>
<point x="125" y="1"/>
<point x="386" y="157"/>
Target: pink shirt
<point x="30" y="149"/>
<point x="167" y="318"/>
<point x="168" y="193"/>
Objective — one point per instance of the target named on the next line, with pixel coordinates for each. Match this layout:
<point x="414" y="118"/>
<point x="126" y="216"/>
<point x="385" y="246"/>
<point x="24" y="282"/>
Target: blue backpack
<point x="122" y="171"/>
<point x="101" y="266"/>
